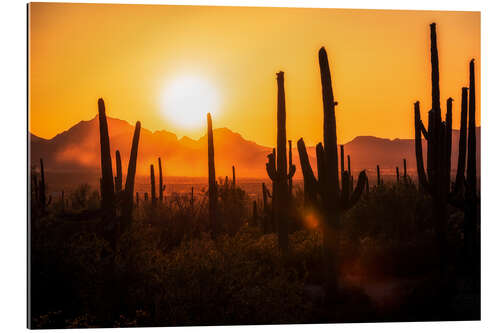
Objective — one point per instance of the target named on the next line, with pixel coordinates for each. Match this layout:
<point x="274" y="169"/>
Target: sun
<point x="188" y="99"/>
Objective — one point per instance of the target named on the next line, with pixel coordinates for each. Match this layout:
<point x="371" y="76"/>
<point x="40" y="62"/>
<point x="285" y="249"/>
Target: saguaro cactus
<point x="153" y="187"/>
<point x="107" y="188"/>
<point x="212" y="182"/>
<point x="437" y="180"/>
<point x="234" y="179"/>
<point x="334" y="199"/>
<point x="277" y="171"/>
<point x="40" y="189"/>
<point x="130" y="181"/>
<point x="119" y="175"/>
<point x="470" y="205"/>
<point x="397" y="175"/>
<point x="161" y="187"/>
<point x="342" y="169"/>
<point x="378" y="175"/>
<point x="405" y="176"/>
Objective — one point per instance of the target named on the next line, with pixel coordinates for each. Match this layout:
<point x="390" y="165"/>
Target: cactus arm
<point x="358" y="191"/>
<point x="305" y="165"/>
<point x="418" y="148"/>
<point x="271" y="168"/>
<point x="424" y="131"/>
<point x="310" y="182"/>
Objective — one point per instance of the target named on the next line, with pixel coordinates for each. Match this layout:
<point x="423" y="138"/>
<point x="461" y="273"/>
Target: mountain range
<point x="77" y="150"/>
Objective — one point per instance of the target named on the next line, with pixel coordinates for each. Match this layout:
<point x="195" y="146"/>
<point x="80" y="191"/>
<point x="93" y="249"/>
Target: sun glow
<point x="188" y="99"/>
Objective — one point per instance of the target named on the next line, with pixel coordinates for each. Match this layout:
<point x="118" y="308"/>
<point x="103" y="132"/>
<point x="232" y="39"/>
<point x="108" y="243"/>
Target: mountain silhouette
<point x="77" y="150"/>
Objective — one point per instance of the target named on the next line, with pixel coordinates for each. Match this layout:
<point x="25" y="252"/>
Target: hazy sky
<point x="129" y="54"/>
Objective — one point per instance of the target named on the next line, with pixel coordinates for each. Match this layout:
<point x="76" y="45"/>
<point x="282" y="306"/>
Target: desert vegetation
<point x="330" y="248"/>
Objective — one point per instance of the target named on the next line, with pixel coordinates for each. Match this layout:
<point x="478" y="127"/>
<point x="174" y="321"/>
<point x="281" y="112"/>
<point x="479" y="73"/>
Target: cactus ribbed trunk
<point x="212" y="182"/>
<point x="119" y="175"/>
<point x="106" y="167"/>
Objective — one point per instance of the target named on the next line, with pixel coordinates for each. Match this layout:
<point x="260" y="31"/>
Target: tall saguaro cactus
<point x="161" y="187"/>
<point x="334" y="199"/>
<point x="130" y="181"/>
<point x="471" y="202"/>
<point x="107" y="187"/>
<point x="119" y="175"/>
<point x="234" y="179"/>
<point x="212" y="182"/>
<point x="277" y="171"/>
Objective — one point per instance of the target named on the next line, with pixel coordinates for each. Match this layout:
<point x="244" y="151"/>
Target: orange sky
<point x="127" y="53"/>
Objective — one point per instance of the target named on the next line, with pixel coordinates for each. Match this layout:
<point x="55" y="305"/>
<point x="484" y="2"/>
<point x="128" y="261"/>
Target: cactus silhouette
<point x="153" y="187"/>
<point x="119" y="176"/>
<point x="212" y="182"/>
<point x="161" y="186"/>
<point x="111" y="200"/>
<point x="397" y="175"/>
<point x="405" y="176"/>
<point x="438" y="135"/>
<point x="277" y="171"/>
<point x="378" y="176"/>
<point x="342" y="169"/>
<point x="234" y="179"/>
<point x="40" y="190"/>
<point x="128" y="202"/>
<point x="290" y="167"/>
<point x="107" y="187"/>
<point x="310" y="182"/>
<point x="334" y="199"/>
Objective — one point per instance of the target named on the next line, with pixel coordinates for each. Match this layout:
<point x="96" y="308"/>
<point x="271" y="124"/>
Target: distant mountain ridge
<point x="77" y="149"/>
